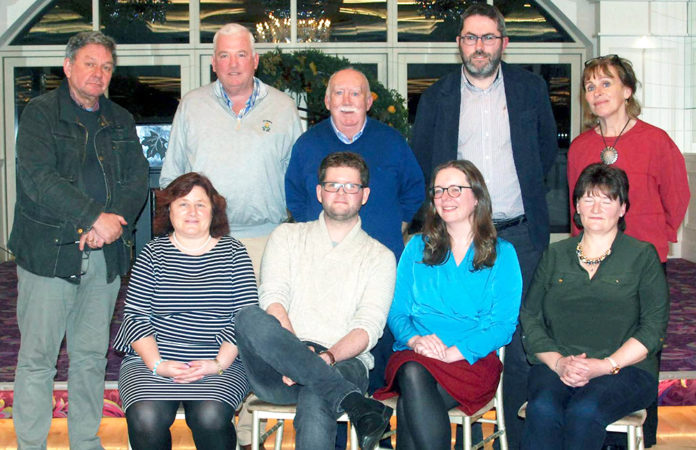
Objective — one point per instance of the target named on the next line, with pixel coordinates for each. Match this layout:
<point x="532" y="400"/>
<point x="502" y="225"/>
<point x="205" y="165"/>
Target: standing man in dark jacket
<point x="81" y="181"/>
<point x="499" y="117"/>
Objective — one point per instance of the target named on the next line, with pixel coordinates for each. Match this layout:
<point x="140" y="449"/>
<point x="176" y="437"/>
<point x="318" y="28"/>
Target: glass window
<point x="349" y="20"/>
<point x="439" y="21"/>
<point x="526" y="21"/>
<point x="420" y="77"/>
<point x="318" y="20"/>
<point x="56" y="23"/>
<point x="216" y="13"/>
<point x="145" y="21"/>
<point x="150" y="93"/>
<point x="31" y="82"/>
<point x="429" y="20"/>
<point x="557" y="76"/>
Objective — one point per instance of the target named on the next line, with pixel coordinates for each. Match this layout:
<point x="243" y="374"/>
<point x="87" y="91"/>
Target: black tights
<point x="210" y="421"/>
<point x="421" y="412"/>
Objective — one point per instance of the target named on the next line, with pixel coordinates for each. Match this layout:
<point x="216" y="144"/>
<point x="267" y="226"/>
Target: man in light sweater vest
<point x="239" y="132"/>
<point x="326" y="287"/>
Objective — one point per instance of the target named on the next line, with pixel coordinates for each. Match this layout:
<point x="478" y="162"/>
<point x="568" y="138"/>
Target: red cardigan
<point x="658" y="185"/>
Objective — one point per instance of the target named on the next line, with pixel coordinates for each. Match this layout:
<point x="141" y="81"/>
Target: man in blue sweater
<point x="396" y="180"/>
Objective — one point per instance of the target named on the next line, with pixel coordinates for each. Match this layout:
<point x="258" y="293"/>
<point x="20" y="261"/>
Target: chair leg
<point x="500" y="422"/>
<point x="354" y="438"/>
<point x="254" y="431"/>
<point x="279" y="434"/>
<point x="641" y="438"/>
<point x="466" y="433"/>
<point x="631" y="438"/>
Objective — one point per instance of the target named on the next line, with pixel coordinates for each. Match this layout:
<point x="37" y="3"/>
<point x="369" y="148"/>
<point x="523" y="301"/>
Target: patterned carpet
<point x="678" y="355"/>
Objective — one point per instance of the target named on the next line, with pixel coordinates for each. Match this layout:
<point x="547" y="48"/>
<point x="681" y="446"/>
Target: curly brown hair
<point x="180" y="187"/>
<point x="435" y="235"/>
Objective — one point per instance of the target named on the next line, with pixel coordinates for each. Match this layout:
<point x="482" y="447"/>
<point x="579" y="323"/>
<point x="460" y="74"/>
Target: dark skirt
<point x="471" y="385"/>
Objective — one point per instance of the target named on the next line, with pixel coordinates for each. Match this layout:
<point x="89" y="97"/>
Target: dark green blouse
<point x="567" y="312"/>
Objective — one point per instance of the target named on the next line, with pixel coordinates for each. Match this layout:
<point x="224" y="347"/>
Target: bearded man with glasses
<point x="326" y="287"/>
<point x="500" y="118"/>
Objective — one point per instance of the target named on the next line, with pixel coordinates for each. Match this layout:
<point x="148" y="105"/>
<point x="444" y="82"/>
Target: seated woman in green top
<point x="593" y="320"/>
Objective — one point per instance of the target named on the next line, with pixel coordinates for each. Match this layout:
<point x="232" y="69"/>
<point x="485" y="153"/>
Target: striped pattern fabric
<point x="188" y="303"/>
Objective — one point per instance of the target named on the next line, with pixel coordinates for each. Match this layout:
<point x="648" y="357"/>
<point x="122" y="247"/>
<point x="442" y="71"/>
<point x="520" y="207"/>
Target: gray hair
<point x="80" y="40"/>
<point x="234" y="29"/>
<point x="327" y="94"/>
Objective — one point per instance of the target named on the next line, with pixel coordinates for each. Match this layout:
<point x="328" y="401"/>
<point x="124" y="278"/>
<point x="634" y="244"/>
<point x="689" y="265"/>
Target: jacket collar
<point x="66" y="106"/>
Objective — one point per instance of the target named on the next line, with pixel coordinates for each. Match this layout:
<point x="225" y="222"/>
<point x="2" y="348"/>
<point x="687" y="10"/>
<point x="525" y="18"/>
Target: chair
<point x="631" y="424"/>
<point x="459" y="417"/>
<point x="262" y="410"/>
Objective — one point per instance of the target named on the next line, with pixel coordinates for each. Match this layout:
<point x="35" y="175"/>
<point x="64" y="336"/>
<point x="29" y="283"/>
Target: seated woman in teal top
<point x="456" y="301"/>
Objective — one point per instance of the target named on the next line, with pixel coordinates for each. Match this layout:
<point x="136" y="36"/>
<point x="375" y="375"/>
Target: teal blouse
<point x="474" y="310"/>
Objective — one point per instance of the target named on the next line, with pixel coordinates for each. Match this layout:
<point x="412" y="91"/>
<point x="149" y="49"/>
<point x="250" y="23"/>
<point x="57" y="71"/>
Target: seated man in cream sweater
<point x="326" y="288"/>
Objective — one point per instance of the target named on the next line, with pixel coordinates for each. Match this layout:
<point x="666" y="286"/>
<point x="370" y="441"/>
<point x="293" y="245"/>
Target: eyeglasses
<point x="471" y="39"/>
<point x="348" y="188"/>
<point x="453" y="191"/>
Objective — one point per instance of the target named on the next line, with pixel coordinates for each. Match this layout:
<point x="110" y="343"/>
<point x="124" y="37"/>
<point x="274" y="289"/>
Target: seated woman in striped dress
<point x="178" y="330"/>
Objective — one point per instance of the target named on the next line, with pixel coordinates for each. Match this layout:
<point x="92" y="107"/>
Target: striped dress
<point x="188" y="303"/>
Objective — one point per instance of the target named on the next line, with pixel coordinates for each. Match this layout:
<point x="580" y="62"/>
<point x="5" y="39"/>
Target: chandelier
<point x="277" y="30"/>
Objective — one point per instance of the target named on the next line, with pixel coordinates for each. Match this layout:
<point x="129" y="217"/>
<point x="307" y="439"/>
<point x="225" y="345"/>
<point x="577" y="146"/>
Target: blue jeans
<point x="560" y="417"/>
<point x="269" y="351"/>
<point x="49" y="309"/>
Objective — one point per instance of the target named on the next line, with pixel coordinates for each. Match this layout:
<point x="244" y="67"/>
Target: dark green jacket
<point x="53" y="207"/>
<point x="567" y="312"/>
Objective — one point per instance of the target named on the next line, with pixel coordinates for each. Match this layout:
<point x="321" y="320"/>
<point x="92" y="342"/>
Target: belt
<point x="500" y="225"/>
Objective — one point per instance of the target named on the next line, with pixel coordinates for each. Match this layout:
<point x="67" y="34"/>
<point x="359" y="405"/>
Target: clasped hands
<point x="181" y="372"/>
<point x="578" y="370"/>
<point x="105" y="230"/>
<point x="432" y="347"/>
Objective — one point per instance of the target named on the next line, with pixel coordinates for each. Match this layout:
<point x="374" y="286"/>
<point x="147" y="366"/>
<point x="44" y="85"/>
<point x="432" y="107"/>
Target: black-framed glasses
<point x="453" y="191"/>
<point x="471" y="39"/>
<point x="348" y="188"/>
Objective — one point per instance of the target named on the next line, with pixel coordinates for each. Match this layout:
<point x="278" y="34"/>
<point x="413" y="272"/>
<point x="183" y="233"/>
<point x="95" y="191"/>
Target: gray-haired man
<point x="81" y="181"/>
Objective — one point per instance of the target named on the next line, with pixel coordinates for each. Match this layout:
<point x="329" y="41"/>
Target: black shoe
<point x="370" y="425"/>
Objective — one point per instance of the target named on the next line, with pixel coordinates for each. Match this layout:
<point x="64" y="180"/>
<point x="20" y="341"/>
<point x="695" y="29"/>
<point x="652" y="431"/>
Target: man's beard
<point x="482" y="72"/>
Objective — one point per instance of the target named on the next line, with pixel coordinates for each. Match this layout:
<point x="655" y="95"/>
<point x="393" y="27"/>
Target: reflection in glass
<point x="31" y="82"/>
<point x="430" y="20"/>
<point x="351" y="20"/>
<point x="216" y="13"/>
<point x="54" y="25"/>
<point x="438" y="21"/>
<point x="145" y="21"/>
<point x="318" y="20"/>
<point x="420" y="77"/>
<point x="526" y="21"/>
<point x="150" y="93"/>
<point x="557" y="77"/>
